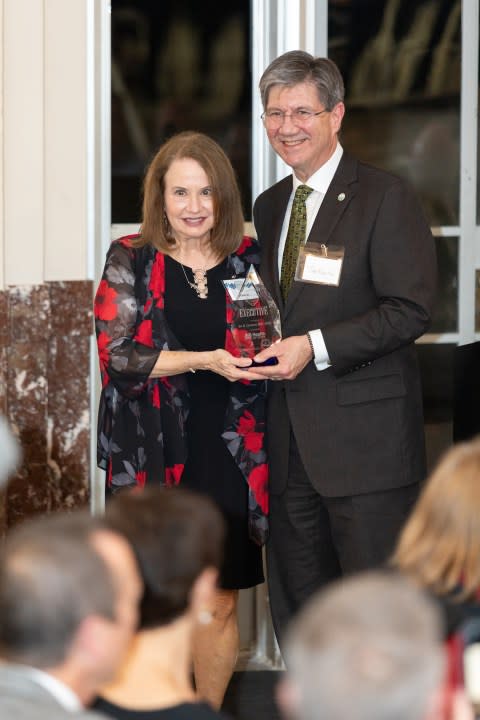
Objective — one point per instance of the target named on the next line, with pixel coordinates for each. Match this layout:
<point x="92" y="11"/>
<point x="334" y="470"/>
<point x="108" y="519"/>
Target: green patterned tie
<point x="297" y="228"/>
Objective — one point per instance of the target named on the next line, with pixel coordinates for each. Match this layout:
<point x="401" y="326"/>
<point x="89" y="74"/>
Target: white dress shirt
<point x="319" y="182"/>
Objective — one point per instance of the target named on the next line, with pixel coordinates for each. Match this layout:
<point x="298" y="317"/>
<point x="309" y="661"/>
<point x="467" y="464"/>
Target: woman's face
<point x="188" y="200"/>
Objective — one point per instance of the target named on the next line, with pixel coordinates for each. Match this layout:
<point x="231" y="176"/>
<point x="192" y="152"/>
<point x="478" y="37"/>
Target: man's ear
<point x="337" y="116"/>
<point x="89" y="640"/>
<point x="287" y="697"/>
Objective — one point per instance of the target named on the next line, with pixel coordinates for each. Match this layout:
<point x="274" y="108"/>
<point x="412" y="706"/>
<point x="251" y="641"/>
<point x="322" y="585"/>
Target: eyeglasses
<point x="276" y="118"/>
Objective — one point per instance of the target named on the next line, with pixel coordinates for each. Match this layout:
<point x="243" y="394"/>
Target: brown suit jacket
<point x="358" y="424"/>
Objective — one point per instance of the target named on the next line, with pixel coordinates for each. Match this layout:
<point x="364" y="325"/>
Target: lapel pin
<point x="341" y="197"/>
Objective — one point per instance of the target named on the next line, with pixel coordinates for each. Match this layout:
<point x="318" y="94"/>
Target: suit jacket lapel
<point x="279" y="207"/>
<point x="337" y="198"/>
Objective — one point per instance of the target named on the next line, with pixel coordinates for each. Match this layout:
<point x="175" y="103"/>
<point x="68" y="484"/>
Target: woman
<point x="439" y="547"/>
<point x="176" y="536"/>
<point x="178" y="405"/>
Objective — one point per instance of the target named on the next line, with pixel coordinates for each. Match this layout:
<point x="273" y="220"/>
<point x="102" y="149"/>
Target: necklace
<point x="200" y="283"/>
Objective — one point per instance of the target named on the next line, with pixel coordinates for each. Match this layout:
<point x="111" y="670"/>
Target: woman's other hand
<point x="230" y="367"/>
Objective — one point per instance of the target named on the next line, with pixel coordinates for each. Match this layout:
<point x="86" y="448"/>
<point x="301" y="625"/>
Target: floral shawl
<point x="141" y="423"/>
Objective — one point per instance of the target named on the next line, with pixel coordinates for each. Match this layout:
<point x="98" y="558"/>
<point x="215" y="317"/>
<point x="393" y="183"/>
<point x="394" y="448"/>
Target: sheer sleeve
<point x="125" y="345"/>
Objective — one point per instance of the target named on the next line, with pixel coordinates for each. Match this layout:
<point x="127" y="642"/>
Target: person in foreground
<point x="176" y="536"/>
<point x="177" y="405"/>
<point x="10" y="451"/>
<point x="439" y="546"/>
<point x="368" y="647"/>
<point x="69" y="594"/>
<point x="345" y="421"/>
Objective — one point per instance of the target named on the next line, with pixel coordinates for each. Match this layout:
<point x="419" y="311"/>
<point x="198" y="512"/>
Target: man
<point x="69" y="594"/>
<point x="368" y="648"/>
<point x="345" y="422"/>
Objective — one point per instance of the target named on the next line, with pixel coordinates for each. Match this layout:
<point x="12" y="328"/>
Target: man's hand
<point x="293" y="354"/>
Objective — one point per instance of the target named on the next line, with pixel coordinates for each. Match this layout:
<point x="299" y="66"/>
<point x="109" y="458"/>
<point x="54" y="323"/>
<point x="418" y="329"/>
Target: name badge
<point x="319" y="264"/>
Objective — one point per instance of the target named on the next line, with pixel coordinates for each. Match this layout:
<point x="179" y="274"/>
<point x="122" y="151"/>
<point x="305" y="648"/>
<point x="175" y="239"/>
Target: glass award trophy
<point x="255" y="318"/>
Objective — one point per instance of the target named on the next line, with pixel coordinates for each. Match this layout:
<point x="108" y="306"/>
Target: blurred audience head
<point x="439" y="546"/>
<point x="366" y="648"/>
<point x="69" y="593"/>
<point x="177" y="537"/>
<point x="9" y="451"/>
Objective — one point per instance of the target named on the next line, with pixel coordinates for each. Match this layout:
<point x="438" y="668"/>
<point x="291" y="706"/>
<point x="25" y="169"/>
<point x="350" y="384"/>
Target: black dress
<point x="184" y="711"/>
<point x="200" y="324"/>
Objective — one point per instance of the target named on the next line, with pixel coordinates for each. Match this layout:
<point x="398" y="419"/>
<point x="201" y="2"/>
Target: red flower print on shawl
<point x="258" y="482"/>
<point x="230" y="344"/>
<point x="243" y="340"/>
<point x="156" y="396"/>
<point x="254" y="442"/>
<point x="144" y="333"/>
<point x="246" y="243"/>
<point x="140" y="478"/>
<point x="103" y="341"/>
<point x="105" y="305"/>
<point x="230" y="314"/>
<point x="173" y="474"/>
<point x="246" y="428"/>
<point x="157" y="279"/>
<point x="246" y="423"/>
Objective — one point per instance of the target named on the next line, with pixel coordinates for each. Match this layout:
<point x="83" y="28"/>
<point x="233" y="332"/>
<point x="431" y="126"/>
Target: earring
<point x="166" y="225"/>
<point x="204" y="617"/>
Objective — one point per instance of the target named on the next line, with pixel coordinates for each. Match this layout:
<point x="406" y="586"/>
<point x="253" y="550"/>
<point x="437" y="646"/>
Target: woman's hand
<point x="230" y="367"/>
<point x="175" y="362"/>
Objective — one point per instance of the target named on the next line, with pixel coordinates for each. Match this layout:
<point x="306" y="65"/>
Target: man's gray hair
<point x="366" y="648"/>
<point x="51" y="579"/>
<point x="296" y="67"/>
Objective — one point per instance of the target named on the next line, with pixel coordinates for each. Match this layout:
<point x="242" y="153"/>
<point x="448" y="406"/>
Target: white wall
<point x="2" y="257"/>
<point x="43" y="153"/>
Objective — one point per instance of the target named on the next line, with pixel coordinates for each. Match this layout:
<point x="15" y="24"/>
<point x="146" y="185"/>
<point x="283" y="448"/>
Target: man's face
<point x="307" y="144"/>
<point x="117" y="554"/>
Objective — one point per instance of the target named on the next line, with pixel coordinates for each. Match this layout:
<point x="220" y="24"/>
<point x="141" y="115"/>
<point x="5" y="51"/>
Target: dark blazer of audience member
<point x="177" y="537"/>
<point x="439" y="547"/>
<point x="69" y="593"/>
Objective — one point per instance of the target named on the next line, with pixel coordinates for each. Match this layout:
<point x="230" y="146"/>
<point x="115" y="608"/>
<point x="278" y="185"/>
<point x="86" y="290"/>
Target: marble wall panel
<point x="69" y="419"/>
<point x="45" y="345"/>
<point x="29" y="313"/>
<point x="4" y="342"/>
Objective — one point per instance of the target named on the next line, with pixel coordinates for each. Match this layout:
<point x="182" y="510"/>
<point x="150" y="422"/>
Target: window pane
<point x="401" y="64"/>
<point x="436" y="368"/>
<point x="445" y="318"/>
<point x="477" y="301"/>
<point x="478" y="151"/>
<point x="176" y="66"/>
